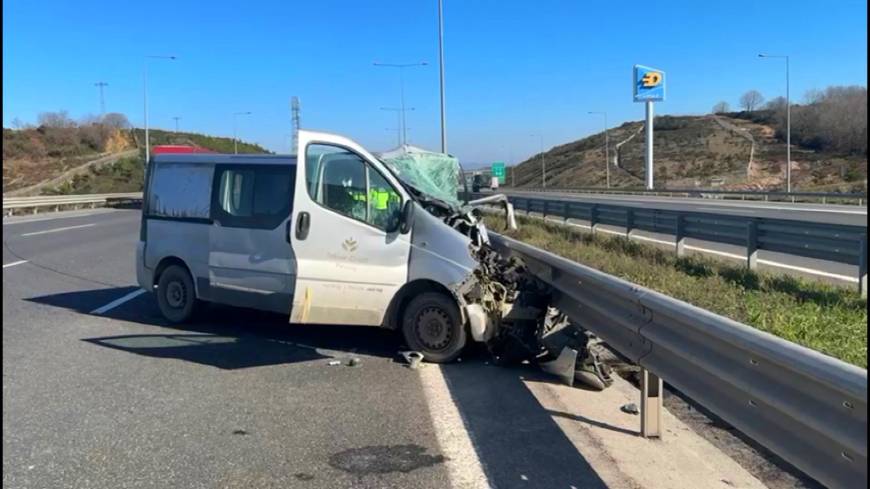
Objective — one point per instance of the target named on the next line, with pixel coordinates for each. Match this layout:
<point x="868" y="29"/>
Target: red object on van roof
<point x="178" y="148"/>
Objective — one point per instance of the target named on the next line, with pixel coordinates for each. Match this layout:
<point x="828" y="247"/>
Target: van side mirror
<point x="406" y="220"/>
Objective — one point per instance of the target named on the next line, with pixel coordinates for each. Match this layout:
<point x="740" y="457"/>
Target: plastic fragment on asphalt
<point x="333" y="363"/>
<point x="630" y="408"/>
<point x="414" y="359"/>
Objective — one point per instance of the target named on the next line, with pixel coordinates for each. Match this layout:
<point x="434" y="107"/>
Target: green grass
<point x="826" y="318"/>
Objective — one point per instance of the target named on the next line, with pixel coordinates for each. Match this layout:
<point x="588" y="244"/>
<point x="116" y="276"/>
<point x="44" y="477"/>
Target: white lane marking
<point x="54" y="218"/>
<point x="57" y="230"/>
<point x="19" y="262"/>
<point x="117" y="302"/>
<point x="463" y="465"/>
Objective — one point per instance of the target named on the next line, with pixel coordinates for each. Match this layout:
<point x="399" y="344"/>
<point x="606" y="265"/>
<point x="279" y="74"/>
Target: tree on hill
<point x="721" y="108"/>
<point x="59" y="119"/>
<point x="116" y="120"/>
<point x="751" y="100"/>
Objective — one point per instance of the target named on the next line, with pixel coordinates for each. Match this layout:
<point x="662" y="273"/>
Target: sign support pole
<point x="648" y="160"/>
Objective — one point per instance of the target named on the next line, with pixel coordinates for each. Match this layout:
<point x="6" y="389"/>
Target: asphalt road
<point x="832" y="214"/>
<point x="237" y="399"/>
<point x="99" y="392"/>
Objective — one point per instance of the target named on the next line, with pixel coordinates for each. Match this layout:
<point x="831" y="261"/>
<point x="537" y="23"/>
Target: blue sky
<point x="513" y="68"/>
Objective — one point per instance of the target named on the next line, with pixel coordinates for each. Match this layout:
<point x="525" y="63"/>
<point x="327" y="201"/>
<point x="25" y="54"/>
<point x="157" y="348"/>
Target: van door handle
<point x="302" y="224"/>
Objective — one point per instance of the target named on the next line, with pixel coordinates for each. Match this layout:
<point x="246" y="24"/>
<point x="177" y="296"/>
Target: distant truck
<point x="477" y="182"/>
<point x="493" y="183"/>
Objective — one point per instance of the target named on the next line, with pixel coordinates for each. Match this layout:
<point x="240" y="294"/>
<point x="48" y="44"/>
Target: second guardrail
<point x="832" y="242"/>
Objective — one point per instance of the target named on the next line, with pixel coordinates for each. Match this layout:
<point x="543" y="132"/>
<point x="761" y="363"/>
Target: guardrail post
<point x="752" y="244"/>
<point x="629" y="223"/>
<point x="651" y="389"/>
<point x="862" y="267"/>
<point x="593" y="217"/>
<point x="680" y="243"/>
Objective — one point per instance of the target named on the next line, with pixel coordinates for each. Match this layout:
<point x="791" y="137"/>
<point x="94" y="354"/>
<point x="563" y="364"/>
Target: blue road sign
<point x="649" y="84"/>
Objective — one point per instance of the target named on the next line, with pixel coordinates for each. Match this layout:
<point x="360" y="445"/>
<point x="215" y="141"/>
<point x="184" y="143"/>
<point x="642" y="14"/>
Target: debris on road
<point x="353" y="362"/>
<point x="630" y="408"/>
<point x="333" y="363"/>
<point x="414" y="359"/>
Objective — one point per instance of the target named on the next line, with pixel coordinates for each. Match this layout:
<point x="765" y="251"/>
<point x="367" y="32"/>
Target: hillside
<point x="726" y="151"/>
<point x="89" y="158"/>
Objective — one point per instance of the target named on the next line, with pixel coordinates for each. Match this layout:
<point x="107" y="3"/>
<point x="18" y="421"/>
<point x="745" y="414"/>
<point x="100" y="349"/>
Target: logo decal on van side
<point x="350" y="245"/>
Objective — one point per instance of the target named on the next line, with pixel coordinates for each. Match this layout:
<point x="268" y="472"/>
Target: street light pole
<point x="401" y="68"/>
<point x="606" y="148"/>
<point x="441" y="72"/>
<point x="235" y="139"/>
<point x="787" y="121"/>
<point x="176" y="122"/>
<point x="145" y="102"/>
<point x="543" y="162"/>
<point x="402" y="131"/>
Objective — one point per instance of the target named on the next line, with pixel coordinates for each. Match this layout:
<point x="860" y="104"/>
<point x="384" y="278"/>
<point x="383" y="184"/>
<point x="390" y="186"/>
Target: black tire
<point x="432" y="325"/>
<point x="176" y="296"/>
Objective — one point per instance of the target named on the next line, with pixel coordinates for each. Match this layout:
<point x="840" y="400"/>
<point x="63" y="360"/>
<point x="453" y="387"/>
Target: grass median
<point x="826" y="318"/>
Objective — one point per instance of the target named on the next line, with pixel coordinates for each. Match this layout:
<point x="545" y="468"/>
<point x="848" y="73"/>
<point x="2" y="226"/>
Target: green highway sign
<point x="498" y="171"/>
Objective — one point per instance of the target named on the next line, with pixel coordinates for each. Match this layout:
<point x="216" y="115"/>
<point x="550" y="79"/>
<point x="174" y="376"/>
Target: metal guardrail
<point x="806" y="407"/>
<point x="823" y="197"/>
<point x="832" y="242"/>
<point x="12" y="204"/>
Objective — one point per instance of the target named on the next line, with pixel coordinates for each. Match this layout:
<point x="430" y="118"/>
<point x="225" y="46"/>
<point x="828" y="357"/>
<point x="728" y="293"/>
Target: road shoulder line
<point x="463" y="464"/>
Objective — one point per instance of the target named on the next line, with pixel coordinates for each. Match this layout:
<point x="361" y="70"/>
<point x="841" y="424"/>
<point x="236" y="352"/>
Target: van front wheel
<point x="176" y="296"/>
<point x="432" y="326"/>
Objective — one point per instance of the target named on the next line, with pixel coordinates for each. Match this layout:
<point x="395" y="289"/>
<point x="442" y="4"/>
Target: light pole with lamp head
<point x="402" y="131"/>
<point x="145" y="101"/>
<point x="401" y="67"/>
<point x="235" y="139"/>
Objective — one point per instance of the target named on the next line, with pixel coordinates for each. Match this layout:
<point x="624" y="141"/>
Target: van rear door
<point x="351" y="259"/>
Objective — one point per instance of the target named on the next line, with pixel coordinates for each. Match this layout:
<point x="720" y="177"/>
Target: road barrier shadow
<point x="515" y="437"/>
<point x="223" y="336"/>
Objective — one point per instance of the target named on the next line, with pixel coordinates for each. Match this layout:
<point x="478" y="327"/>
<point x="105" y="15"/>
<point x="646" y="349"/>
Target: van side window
<point x="344" y="183"/>
<point x="252" y="196"/>
<point x="180" y="191"/>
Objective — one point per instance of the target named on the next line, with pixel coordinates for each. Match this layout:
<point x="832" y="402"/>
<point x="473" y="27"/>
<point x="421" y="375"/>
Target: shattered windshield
<point x="435" y="175"/>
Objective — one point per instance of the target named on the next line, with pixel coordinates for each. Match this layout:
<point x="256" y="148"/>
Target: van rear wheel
<point x="176" y="296"/>
<point x="432" y="325"/>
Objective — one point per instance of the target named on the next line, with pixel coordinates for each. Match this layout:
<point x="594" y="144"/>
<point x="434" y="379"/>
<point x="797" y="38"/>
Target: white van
<point x="335" y="237"/>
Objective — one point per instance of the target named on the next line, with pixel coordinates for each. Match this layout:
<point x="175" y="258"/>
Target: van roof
<point x="224" y="159"/>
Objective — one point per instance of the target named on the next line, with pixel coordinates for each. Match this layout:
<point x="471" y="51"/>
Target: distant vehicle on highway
<point x="338" y="236"/>
<point x="476" y="183"/>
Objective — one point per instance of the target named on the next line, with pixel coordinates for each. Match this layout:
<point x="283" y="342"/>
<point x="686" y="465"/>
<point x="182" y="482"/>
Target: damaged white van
<point x="338" y="236"/>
